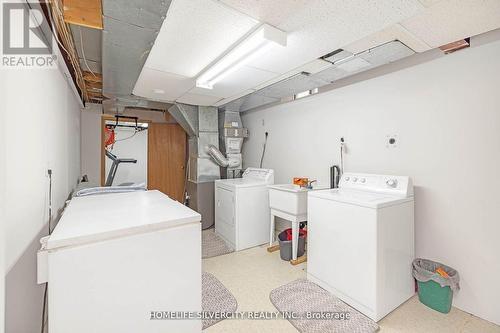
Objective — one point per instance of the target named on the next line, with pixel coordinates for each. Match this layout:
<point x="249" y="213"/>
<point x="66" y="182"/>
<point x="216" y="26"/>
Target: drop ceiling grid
<point x="194" y="34"/>
<point x="314" y="28"/>
<point x="323" y="26"/>
<point x="314" y="32"/>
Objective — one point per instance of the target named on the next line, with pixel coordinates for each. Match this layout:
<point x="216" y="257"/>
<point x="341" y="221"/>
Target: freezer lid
<point x="100" y="217"/>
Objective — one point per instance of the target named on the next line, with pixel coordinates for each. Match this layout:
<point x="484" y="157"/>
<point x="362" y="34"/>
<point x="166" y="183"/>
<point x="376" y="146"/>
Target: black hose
<point x="263" y="150"/>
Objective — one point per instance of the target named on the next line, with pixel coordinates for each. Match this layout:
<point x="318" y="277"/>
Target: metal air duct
<point x="130" y="30"/>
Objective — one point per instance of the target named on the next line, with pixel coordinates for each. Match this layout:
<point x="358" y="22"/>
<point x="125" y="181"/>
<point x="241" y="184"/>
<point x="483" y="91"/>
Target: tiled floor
<point x="251" y="275"/>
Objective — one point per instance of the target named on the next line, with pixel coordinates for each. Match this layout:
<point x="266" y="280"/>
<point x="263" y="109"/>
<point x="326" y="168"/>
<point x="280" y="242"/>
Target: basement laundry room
<point x="182" y="166"/>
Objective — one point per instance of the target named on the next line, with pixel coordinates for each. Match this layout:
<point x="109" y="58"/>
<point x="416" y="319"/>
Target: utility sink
<point x="290" y="199"/>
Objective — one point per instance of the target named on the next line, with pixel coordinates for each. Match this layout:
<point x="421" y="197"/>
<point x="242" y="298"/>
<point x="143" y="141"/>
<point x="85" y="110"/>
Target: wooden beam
<point x="86" y="13"/>
<point x="299" y="260"/>
<point x="62" y="30"/>
<point x="95" y="96"/>
<point x="89" y="77"/>
<point x="273" y="248"/>
<point x="93" y="85"/>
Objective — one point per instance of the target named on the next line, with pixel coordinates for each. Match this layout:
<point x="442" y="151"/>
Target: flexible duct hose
<point x="219" y="158"/>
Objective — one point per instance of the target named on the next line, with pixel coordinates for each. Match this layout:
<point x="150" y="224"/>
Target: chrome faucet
<point x="309" y="185"/>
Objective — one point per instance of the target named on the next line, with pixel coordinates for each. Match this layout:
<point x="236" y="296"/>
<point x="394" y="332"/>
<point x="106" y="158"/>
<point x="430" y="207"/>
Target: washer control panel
<point x="395" y="185"/>
<point x="266" y="175"/>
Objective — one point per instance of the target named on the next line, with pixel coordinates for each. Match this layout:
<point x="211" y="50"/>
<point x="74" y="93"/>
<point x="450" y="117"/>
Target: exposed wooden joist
<point x="89" y="77"/>
<point x="65" y="37"/>
<point x="93" y="84"/>
<point x="87" y="13"/>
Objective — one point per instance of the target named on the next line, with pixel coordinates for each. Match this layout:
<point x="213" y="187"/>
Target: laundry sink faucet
<point x="309" y="185"/>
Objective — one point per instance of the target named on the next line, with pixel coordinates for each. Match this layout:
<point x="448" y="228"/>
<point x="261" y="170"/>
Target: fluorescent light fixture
<point x="251" y="47"/>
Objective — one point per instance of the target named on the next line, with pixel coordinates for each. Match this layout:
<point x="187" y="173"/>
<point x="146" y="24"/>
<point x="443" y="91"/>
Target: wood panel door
<point x="167" y="159"/>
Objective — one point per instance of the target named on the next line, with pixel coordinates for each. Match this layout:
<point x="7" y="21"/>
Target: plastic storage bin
<point x="286" y="245"/>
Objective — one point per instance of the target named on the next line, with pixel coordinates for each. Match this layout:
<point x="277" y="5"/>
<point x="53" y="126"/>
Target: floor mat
<point x="215" y="298"/>
<point x="212" y="245"/>
<point x="302" y="296"/>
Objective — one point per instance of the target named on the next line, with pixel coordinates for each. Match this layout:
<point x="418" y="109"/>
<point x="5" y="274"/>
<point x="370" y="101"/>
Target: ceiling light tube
<point x="251" y="47"/>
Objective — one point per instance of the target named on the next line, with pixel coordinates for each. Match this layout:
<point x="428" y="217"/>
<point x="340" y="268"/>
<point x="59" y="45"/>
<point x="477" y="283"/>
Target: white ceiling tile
<point x="275" y="13"/>
<point x="394" y="32"/>
<point x="317" y="27"/>
<point x="451" y="20"/>
<point x="386" y="53"/>
<point x="354" y="65"/>
<point x="194" y="34"/>
<point x="315" y="66"/>
<point x="173" y="85"/>
<point x="197" y="99"/>
<point x="242" y="79"/>
<point x="197" y="32"/>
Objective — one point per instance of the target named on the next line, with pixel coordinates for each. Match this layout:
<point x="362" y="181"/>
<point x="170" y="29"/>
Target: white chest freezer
<point x="114" y="259"/>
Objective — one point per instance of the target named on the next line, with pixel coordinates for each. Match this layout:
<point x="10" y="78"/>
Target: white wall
<point x="91" y="142"/>
<point x="2" y="206"/>
<point x="446" y="114"/>
<point x="41" y="131"/>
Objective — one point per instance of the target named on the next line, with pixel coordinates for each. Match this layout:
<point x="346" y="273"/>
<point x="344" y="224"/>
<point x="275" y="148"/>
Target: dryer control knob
<point x="363" y="180"/>
<point x="346" y="179"/>
<point x="355" y="179"/>
<point x="392" y="182"/>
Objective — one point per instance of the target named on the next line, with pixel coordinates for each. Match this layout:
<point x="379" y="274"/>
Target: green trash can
<point x="434" y="296"/>
<point x="434" y="290"/>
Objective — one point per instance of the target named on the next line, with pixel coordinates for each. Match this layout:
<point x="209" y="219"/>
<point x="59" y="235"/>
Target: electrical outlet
<point x="263" y="122"/>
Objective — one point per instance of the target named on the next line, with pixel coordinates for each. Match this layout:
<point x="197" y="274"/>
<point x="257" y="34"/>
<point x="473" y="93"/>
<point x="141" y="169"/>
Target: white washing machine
<point x="242" y="208"/>
<point x="361" y="241"/>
